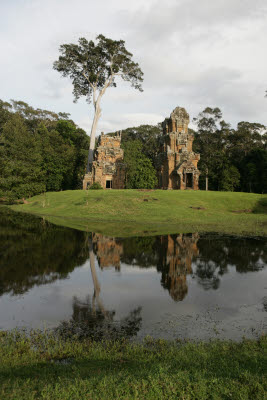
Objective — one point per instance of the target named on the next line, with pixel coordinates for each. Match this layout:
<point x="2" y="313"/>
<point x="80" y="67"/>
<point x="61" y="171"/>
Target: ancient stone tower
<point x="108" y="168"/>
<point x="177" y="163"/>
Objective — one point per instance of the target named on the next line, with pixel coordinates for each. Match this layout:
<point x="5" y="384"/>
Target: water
<point x="184" y="286"/>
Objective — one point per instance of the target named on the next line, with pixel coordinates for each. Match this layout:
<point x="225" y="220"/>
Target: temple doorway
<point x="175" y="181"/>
<point x="108" y="184"/>
<point x="189" y="180"/>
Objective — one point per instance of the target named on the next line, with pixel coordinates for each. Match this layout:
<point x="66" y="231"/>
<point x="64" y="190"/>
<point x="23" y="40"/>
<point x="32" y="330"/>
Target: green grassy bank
<point x="134" y="212"/>
<point x="44" y="367"/>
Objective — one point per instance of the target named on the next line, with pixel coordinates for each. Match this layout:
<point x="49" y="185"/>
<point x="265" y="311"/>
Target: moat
<point x="183" y="286"/>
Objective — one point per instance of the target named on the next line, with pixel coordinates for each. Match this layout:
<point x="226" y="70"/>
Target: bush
<point x="95" y="186"/>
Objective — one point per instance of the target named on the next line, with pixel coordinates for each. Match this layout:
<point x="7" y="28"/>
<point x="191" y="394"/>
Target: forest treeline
<point x="230" y="159"/>
<point x="45" y="151"/>
<point x="39" y="151"/>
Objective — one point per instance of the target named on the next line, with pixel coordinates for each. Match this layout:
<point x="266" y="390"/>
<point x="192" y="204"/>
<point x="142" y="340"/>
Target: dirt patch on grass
<point x="246" y="211"/>
<point x="149" y="199"/>
<point x="197" y="208"/>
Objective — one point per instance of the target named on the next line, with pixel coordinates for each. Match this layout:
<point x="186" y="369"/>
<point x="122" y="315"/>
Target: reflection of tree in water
<point x="212" y="255"/>
<point x="173" y="255"/>
<point x="141" y="251"/>
<point x="175" y="262"/>
<point x="218" y="253"/>
<point x="90" y="319"/>
<point x="35" y="252"/>
<point x="208" y="274"/>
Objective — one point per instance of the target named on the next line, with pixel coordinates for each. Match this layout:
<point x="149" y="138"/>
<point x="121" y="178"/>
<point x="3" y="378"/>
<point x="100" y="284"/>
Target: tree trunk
<point x="207" y="180"/>
<point x="93" y="272"/>
<point x="96" y="101"/>
<point x="92" y="136"/>
<point x="95" y="281"/>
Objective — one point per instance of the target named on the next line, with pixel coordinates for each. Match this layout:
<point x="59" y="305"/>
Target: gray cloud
<point x="194" y="53"/>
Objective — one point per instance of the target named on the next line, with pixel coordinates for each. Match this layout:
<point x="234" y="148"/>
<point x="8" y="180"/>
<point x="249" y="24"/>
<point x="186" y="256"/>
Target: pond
<point x="183" y="286"/>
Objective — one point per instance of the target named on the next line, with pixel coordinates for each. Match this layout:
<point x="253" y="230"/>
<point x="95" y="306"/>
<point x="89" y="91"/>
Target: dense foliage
<point x="140" y="173"/>
<point x="43" y="151"/>
<point x="141" y="147"/>
<point x="230" y="159"/>
<point x="35" y="242"/>
<point x="39" y="151"/>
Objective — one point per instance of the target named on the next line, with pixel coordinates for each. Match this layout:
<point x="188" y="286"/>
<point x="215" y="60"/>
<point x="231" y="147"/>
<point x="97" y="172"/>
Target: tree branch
<point x="106" y="85"/>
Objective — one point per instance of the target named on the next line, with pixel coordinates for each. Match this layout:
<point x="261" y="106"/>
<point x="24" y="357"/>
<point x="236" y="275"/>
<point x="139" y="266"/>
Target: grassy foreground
<point x="134" y="212"/>
<point x="43" y="367"/>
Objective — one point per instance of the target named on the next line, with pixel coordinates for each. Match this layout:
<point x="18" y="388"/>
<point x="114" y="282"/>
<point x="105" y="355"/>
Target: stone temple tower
<point x="177" y="163"/>
<point x="108" y="168"/>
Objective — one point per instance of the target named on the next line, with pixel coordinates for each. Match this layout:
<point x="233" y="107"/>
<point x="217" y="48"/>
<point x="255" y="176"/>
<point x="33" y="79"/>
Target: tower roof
<point x="180" y="114"/>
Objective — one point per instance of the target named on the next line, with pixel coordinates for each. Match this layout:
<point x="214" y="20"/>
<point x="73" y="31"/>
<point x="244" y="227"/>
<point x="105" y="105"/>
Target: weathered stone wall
<point x="177" y="163"/>
<point x="107" y="168"/>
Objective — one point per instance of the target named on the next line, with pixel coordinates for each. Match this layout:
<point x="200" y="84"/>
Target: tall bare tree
<point x="93" y="67"/>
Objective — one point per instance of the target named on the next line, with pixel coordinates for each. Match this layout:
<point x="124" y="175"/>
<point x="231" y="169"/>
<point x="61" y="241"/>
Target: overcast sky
<point x="194" y="53"/>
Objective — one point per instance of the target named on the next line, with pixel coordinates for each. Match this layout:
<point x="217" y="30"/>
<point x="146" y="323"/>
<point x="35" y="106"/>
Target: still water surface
<point x="186" y="286"/>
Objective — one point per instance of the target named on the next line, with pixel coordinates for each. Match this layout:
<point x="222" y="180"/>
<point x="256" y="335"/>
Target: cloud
<point x="193" y="53"/>
<point x="116" y="122"/>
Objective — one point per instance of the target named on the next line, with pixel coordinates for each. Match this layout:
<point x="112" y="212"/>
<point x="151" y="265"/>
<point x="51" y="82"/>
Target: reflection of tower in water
<point x="108" y="251"/>
<point x="177" y="252"/>
<point x="175" y="259"/>
<point x="90" y="318"/>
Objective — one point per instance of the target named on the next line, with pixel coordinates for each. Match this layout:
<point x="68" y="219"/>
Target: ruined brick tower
<point x="108" y="168"/>
<point x="177" y="163"/>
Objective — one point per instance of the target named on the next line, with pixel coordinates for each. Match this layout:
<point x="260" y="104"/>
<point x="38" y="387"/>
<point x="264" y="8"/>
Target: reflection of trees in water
<point x="218" y="253"/>
<point x="141" y="251"/>
<point x="212" y="255"/>
<point x="208" y="274"/>
<point x="90" y="319"/>
<point x="35" y="252"/>
<point x="173" y="256"/>
<point x="212" y="263"/>
<point x="245" y="254"/>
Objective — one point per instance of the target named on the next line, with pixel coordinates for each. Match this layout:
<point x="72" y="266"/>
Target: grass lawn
<point x="44" y="367"/>
<point x="134" y="212"/>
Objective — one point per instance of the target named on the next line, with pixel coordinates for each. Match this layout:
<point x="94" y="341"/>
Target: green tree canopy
<point x="39" y="151"/>
<point x="20" y="168"/>
<point x="231" y="159"/>
<point x="140" y="173"/>
<point x="147" y="135"/>
<point x="95" y="66"/>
